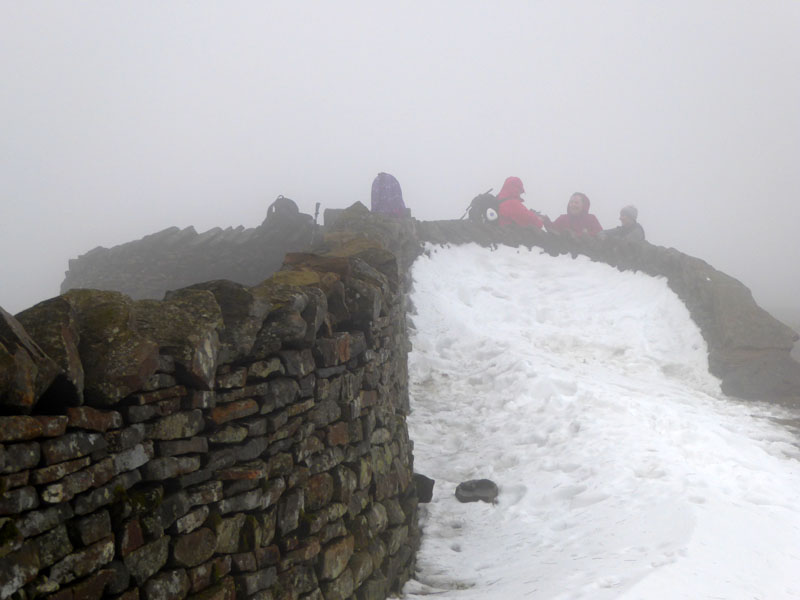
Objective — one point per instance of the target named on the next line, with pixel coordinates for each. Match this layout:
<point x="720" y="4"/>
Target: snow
<point x="584" y="393"/>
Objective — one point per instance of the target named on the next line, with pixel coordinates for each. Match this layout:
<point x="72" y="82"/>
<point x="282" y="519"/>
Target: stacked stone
<point x="224" y="442"/>
<point x="174" y="258"/>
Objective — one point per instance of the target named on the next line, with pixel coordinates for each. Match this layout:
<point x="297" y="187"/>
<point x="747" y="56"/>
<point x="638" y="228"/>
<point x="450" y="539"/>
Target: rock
<point x="129" y="537"/>
<point x="70" y="446"/>
<point x="177" y="426"/>
<point x="173" y="507"/>
<point x="362" y="565"/>
<point x="18" y="568"/>
<point x="424" y="486"/>
<point x="26" y="372"/>
<point x="334" y="558"/>
<point x="194" y="548"/>
<point x="37" y="522"/>
<point x="18" y="500"/>
<point x="19" y="457"/>
<point x="94" y="499"/>
<point x="198" y="445"/>
<point x="192" y="520"/>
<point x="377" y="519"/>
<point x="53" y="546"/>
<point x="146" y="561"/>
<point x="201" y="576"/>
<point x="477" y="489"/>
<point x="299" y="579"/>
<point x="134" y="457"/>
<point x="93" y="587"/>
<point x="53" y="425"/>
<point x="298" y="363"/>
<point x="318" y="491"/>
<point x="227" y="531"/>
<point x="340" y="588"/>
<point x="117" y="359"/>
<point x="86" y="417"/>
<point x="233" y="410"/>
<point x="54" y="325"/>
<point x="243" y="314"/>
<point x="169" y="585"/>
<point x="19" y="428"/>
<point x="82" y="562"/>
<point x="229" y="377"/>
<point x="224" y="590"/>
<point x="186" y="326"/>
<point x="93" y="527"/>
<point x="169" y="467"/>
<point x="250" y="583"/>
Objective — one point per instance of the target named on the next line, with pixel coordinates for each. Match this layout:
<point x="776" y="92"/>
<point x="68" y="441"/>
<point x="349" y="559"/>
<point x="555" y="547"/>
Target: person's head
<point x="512" y="188"/>
<point x="578" y="204"/>
<point x="628" y="215"/>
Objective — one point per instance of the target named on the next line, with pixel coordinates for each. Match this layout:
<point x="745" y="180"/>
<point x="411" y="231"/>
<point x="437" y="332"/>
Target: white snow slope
<point x="584" y="393"/>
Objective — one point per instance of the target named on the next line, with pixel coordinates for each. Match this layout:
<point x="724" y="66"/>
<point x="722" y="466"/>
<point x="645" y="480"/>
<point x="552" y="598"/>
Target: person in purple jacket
<point x="387" y="197"/>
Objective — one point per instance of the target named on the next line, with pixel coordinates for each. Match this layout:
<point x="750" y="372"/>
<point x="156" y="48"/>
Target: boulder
<point x="25" y="370"/>
<point x="243" y="314"/>
<point x="117" y="359"/>
<point x="186" y="326"/>
<point x="54" y="325"/>
<point x="477" y="489"/>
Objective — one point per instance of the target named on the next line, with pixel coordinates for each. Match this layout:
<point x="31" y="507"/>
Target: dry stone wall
<point x="250" y="442"/>
<point x="226" y="442"/>
<point x="174" y="258"/>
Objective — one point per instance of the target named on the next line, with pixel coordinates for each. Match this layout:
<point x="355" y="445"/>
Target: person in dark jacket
<point x="629" y="229"/>
<point x="511" y="209"/>
<point x="577" y="219"/>
<point x="387" y="197"/>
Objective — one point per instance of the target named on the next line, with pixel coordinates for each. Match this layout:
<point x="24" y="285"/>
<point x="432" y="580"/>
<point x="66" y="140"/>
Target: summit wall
<point x="249" y="440"/>
<point x="224" y="442"/>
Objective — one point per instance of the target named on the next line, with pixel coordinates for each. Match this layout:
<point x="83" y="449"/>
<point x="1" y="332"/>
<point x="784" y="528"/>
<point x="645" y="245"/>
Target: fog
<point x="121" y="119"/>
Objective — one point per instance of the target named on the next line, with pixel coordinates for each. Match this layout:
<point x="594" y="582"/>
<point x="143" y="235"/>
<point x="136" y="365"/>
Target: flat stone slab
<point x="477" y="489"/>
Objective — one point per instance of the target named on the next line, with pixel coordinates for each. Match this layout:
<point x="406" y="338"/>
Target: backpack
<point x="484" y="208"/>
<point x="282" y="207"/>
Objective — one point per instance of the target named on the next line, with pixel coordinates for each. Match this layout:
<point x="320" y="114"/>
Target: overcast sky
<point x="119" y="119"/>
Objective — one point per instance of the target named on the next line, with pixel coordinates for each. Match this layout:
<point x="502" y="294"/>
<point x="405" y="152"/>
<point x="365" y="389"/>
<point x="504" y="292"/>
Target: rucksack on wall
<point x="282" y="207"/>
<point x="483" y="208"/>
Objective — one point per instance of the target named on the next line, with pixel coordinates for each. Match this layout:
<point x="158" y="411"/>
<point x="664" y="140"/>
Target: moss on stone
<point x="298" y="278"/>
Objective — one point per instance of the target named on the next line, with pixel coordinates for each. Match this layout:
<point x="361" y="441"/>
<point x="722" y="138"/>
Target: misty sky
<point x="119" y="119"/>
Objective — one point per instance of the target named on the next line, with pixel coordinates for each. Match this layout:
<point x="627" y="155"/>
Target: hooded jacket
<point x="581" y="223"/>
<point x="511" y="209"/>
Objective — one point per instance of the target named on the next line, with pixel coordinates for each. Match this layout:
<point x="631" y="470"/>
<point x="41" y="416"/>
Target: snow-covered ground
<point x="584" y="393"/>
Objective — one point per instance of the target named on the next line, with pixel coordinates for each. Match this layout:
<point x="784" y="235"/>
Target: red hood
<point x="586" y="203"/>
<point x="512" y="188"/>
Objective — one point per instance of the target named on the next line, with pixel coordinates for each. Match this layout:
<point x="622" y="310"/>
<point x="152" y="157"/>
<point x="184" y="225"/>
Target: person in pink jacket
<point x="511" y="209"/>
<point x="577" y="221"/>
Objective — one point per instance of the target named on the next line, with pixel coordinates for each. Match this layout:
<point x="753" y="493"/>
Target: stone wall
<point x="174" y="258"/>
<point x="224" y="442"/>
<point x="251" y="441"/>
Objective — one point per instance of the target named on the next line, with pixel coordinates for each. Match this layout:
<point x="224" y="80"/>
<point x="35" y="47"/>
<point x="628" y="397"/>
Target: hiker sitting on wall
<point x="629" y="229"/>
<point x="511" y="209"/>
<point x="387" y="197"/>
<point x="577" y="220"/>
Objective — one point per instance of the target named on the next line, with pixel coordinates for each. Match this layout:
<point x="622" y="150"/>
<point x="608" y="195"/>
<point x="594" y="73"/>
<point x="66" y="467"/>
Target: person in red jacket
<point x="511" y="209"/>
<point x="577" y="221"/>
